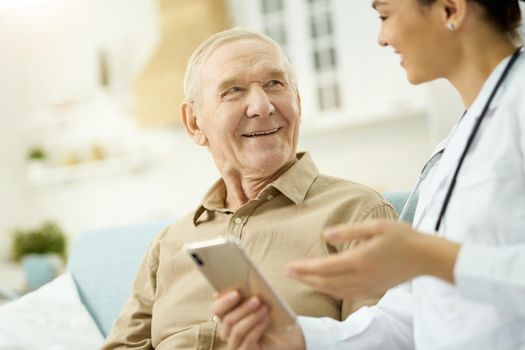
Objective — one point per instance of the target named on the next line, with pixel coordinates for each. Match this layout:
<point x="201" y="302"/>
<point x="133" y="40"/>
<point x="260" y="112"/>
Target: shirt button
<point x="215" y="318"/>
<point x="270" y="197"/>
<point x="237" y="221"/>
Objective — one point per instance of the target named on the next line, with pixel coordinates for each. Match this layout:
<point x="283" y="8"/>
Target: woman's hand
<point x="388" y="254"/>
<point x="244" y="323"/>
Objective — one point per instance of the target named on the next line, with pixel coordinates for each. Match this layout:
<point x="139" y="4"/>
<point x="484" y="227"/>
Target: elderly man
<point x="242" y="103"/>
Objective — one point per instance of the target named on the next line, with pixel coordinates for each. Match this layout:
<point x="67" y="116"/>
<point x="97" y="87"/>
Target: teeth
<point x="262" y="133"/>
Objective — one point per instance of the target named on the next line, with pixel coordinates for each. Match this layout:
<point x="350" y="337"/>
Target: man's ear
<point x="189" y="119"/>
<point x="454" y="13"/>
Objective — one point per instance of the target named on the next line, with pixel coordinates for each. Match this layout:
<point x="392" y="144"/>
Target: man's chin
<point x="270" y="161"/>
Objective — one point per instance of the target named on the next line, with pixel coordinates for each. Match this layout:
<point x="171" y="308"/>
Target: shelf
<point x="80" y="112"/>
<point x="42" y="175"/>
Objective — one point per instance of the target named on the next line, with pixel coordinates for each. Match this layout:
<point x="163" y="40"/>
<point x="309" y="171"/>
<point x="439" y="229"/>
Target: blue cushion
<point x="398" y="200"/>
<point x="104" y="263"/>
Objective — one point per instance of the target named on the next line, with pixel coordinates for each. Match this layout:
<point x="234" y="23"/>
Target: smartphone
<point x="223" y="262"/>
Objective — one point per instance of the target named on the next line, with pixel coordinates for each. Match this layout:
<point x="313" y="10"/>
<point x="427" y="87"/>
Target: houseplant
<point x="36" y="154"/>
<point x="41" y="251"/>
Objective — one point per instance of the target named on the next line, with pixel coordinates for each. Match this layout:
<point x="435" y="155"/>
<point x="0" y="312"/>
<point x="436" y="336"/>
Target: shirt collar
<point x="294" y="183"/>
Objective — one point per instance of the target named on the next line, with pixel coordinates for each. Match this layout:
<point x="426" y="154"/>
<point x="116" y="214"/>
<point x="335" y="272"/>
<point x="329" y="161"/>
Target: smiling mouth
<point x="262" y="133"/>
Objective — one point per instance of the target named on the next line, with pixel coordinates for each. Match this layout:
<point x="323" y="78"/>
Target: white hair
<point x="201" y="54"/>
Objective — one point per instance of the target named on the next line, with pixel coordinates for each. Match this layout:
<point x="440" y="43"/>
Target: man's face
<point x="246" y="108"/>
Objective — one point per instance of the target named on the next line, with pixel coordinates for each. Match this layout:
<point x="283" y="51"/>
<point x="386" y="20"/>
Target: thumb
<point x="348" y="233"/>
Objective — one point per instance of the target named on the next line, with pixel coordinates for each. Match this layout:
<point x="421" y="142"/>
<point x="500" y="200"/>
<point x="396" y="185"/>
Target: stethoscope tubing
<point x="472" y="135"/>
<point x="436" y="157"/>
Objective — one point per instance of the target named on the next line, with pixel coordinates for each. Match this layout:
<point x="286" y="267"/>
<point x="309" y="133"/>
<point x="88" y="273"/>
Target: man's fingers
<point x="224" y="303"/>
<point x="241" y="329"/>
<point x="251" y="340"/>
<point x="236" y="315"/>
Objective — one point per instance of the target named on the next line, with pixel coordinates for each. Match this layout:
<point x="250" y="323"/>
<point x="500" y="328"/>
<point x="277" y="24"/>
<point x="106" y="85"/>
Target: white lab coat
<point x="486" y="308"/>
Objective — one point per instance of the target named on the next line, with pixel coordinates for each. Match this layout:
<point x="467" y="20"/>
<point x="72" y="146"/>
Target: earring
<point x="450" y="26"/>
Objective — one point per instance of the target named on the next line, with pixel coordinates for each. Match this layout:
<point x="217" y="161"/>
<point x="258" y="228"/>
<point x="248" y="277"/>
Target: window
<point x="271" y="6"/>
<point x="274" y="24"/>
<point x="321" y="25"/>
<point x="328" y="96"/>
<point x="324" y="55"/>
<point x="277" y="33"/>
<point x="325" y="59"/>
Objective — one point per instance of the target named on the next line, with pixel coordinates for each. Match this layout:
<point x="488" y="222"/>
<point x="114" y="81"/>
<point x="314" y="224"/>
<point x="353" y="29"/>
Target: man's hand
<point x="388" y="254"/>
<point x="244" y="323"/>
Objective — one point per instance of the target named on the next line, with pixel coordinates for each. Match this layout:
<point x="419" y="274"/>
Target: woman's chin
<point x="415" y="79"/>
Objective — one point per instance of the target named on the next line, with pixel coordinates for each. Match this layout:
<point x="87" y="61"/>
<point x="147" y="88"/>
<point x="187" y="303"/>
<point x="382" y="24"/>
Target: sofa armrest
<point x="103" y="264"/>
<point x="398" y="200"/>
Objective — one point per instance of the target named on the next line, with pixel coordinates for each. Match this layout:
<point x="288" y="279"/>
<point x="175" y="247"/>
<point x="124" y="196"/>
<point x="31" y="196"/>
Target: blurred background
<point x="89" y="113"/>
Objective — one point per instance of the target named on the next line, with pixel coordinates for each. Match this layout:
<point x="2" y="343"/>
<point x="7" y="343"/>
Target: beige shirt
<point x="170" y="307"/>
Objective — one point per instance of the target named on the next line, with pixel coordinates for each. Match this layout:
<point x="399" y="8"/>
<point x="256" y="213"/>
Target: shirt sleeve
<point x="387" y="325"/>
<point x="493" y="275"/>
<point x="378" y="210"/>
<point x="132" y="329"/>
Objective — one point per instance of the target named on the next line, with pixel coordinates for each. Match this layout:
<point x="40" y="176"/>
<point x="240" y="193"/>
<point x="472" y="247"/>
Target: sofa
<point x="103" y="263"/>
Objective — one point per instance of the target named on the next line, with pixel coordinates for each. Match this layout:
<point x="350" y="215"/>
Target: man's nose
<point x="259" y="105"/>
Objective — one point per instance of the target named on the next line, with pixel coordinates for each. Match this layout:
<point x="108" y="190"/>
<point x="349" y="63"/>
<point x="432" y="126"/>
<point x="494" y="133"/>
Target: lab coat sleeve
<point x="493" y="275"/>
<point x="387" y="325"/>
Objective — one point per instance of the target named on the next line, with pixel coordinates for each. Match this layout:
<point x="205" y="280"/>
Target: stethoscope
<point x="436" y="157"/>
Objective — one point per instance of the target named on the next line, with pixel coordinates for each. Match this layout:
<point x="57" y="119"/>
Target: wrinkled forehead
<point x="239" y="54"/>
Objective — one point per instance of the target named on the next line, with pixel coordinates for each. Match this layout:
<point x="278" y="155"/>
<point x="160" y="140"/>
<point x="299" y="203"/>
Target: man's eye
<point x="231" y="91"/>
<point x="383" y="18"/>
<point x="273" y="83"/>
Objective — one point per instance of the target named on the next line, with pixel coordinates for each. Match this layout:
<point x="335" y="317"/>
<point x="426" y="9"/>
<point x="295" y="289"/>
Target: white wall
<point x="48" y="55"/>
<point x="384" y="155"/>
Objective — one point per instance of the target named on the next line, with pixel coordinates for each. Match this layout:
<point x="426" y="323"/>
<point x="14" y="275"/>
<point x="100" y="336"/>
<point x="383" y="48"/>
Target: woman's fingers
<point x="389" y="256"/>
<point x="341" y="286"/>
<point x="245" y="310"/>
<point x="348" y="233"/>
<point x="325" y="282"/>
<point x="333" y="264"/>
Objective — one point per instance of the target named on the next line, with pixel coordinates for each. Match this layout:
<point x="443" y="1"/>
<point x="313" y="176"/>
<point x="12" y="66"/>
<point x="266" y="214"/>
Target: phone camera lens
<point x="197" y="259"/>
